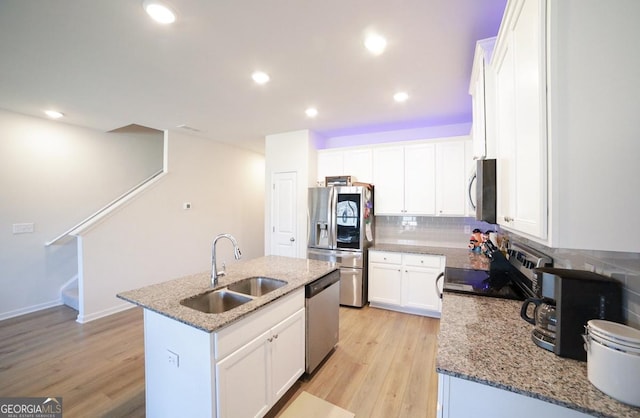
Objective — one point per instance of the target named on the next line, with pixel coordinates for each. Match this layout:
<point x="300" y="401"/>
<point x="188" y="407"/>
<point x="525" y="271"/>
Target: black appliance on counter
<point x="569" y="299"/>
<point x="508" y="277"/>
<point x="483" y="198"/>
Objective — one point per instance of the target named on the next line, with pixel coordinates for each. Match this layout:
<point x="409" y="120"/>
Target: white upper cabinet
<point x="567" y="102"/>
<point x="520" y="112"/>
<point x="451" y="176"/>
<point x="482" y="91"/>
<point x="356" y="162"/>
<point x="421" y="179"/>
<point x="388" y="179"/>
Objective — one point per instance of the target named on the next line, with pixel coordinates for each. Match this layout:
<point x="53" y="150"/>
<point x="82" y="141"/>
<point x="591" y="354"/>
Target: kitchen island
<point x="229" y="364"/>
<point x="488" y="366"/>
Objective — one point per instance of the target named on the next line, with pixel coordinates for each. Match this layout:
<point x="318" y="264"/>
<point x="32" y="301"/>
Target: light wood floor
<point x="384" y="365"/>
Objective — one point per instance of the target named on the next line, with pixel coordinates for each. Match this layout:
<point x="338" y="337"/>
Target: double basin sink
<point x="232" y="296"/>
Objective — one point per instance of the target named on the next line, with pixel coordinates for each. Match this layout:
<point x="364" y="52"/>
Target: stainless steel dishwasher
<point x="322" y="303"/>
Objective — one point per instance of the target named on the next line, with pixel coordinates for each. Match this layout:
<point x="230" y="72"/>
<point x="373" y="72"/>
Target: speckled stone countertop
<point x="165" y="297"/>
<point x="456" y="257"/>
<point x="484" y="340"/>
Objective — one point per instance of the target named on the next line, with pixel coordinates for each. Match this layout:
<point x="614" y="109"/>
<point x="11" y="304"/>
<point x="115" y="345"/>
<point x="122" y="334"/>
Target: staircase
<point x="69" y="293"/>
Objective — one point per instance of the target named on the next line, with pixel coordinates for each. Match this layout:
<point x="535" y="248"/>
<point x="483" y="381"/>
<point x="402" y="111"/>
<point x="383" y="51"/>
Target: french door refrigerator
<point x="340" y="230"/>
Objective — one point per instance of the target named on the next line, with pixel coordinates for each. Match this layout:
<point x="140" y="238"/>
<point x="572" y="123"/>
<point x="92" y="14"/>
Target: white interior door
<point x="284" y="215"/>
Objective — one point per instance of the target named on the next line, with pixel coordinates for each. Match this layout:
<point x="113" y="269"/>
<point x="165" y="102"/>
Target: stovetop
<point x="509" y="277"/>
<point x="480" y="282"/>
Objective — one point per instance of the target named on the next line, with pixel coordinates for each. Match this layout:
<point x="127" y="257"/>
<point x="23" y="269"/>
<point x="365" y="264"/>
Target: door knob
<point x="292" y="239"/>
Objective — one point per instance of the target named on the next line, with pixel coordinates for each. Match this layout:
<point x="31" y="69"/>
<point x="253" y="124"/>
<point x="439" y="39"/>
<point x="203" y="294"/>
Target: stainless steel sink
<point x="218" y="301"/>
<point x="256" y="286"/>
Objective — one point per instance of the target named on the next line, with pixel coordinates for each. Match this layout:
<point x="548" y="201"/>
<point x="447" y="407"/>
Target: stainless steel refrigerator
<point x="341" y="229"/>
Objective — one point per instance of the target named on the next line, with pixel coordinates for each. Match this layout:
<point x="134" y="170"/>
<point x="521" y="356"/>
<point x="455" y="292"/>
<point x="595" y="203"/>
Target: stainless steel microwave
<point x="482" y="190"/>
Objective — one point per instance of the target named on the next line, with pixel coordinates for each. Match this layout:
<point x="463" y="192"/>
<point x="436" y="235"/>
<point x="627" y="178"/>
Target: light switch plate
<point x="24" y="228"/>
<point x="174" y="358"/>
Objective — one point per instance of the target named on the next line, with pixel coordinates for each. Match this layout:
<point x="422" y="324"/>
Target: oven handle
<point x="438" y="292"/>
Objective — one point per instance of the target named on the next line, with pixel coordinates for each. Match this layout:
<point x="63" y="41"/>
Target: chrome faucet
<point x="214" y="269"/>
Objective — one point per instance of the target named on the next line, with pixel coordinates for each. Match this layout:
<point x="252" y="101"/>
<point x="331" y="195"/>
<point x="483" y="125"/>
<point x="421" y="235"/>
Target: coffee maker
<point x="567" y="300"/>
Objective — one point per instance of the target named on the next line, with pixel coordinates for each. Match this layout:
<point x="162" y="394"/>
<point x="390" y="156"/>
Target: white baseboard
<point x="30" y="309"/>
<point x="83" y="319"/>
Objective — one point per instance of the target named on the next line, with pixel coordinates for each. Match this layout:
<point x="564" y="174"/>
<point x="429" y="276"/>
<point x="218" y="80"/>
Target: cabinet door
<point x="420" y="179"/>
<point x="388" y="177"/>
<point x="505" y="129"/>
<point x="287" y="353"/>
<point x="529" y="212"/>
<point x="242" y="380"/>
<point x="358" y="163"/>
<point x="451" y="178"/>
<point x="330" y="163"/>
<point x="477" y="107"/>
<point x="521" y="122"/>
<point x="419" y="288"/>
<point x="385" y="281"/>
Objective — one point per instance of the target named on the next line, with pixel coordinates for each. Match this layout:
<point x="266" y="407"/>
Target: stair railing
<point x="96" y="216"/>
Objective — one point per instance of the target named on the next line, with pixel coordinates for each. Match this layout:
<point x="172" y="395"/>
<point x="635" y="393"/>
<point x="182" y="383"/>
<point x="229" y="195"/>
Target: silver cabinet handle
<point x="508" y="219"/>
<point x="292" y="239"/>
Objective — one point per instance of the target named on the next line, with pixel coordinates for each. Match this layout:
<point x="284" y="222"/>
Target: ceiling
<point x="106" y="64"/>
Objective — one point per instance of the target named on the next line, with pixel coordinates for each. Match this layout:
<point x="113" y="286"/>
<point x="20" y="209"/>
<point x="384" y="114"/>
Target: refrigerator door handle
<point x="333" y="227"/>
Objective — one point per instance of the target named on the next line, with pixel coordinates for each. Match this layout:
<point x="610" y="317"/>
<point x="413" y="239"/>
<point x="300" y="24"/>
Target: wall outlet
<point x="467" y="229"/>
<point x="25" y="228"/>
<point x="174" y="359"/>
<point x="186" y="205"/>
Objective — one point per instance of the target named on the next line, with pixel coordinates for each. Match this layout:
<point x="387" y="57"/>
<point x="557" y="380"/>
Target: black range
<point x="509" y="277"/>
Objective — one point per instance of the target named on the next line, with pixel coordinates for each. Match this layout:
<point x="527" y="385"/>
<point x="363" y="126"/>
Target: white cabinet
<point x="385" y="278"/>
<point x="404" y="178"/>
<point x="481" y="89"/>
<point x="460" y="398"/>
<point x="355" y="162"/>
<point x="520" y="107"/>
<point x="405" y="282"/>
<point x="239" y="371"/>
<point x="451" y="178"/>
<point x="567" y="149"/>
<point x="422" y="179"/>
<point x="262" y="370"/>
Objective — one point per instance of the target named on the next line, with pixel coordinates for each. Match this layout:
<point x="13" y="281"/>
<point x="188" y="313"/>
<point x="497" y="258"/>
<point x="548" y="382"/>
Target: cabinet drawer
<point x="230" y="338"/>
<point x="423" y="260"/>
<point x="385" y="257"/>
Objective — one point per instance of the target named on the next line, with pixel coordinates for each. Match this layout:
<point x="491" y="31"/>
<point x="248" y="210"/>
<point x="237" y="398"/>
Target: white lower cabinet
<point x="461" y="398"/>
<point x="405" y="282"/>
<point x="254" y="377"/>
<point x="242" y="370"/>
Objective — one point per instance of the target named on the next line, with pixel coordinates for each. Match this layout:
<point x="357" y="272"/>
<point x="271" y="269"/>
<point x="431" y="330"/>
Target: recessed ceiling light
<point x="53" y="114"/>
<point x="400" y="97"/>
<point x="375" y="43"/>
<point x="312" y="112"/>
<point x="260" y="77"/>
<point x="159" y="11"/>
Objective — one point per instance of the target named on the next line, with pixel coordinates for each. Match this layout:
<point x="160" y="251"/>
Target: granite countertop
<point x="165" y="297"/>
<point x="484" y="340"/>
<point x="456" y="257"/>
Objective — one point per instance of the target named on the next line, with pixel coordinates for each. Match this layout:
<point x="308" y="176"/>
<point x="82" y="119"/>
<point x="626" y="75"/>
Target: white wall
<point x="291" y="152"/>
<point x="153" y="239"/>
<point x="55" y="175"/>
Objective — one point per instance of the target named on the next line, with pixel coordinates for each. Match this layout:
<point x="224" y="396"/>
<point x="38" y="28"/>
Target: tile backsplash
<point x="622" y="266"/>
<point x="426" y="230"/>
<point x="455" y="232"/>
